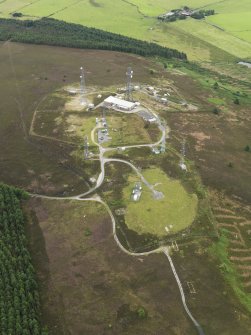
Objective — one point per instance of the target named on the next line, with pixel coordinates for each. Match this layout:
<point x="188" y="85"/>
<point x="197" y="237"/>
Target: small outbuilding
<point x="136" y="192"/>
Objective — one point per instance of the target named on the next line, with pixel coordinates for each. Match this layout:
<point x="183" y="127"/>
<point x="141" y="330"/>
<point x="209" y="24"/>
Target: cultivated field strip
<point x="235" y="220"/>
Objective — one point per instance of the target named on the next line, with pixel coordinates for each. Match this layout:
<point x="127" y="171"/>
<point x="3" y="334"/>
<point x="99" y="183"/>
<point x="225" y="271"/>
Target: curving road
<point x="183" y="298"/>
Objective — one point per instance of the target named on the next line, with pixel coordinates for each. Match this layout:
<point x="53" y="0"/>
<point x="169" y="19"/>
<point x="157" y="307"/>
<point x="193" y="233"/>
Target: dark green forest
<point x="60" y="33"/>
<point x="19" y="298"/>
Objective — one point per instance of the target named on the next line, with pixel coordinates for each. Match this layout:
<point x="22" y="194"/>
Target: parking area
<point x="103" y="136"/>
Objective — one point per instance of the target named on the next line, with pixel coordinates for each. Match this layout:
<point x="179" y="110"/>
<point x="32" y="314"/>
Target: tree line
<point x="19" y="298"/>
<point x="60" y="33"/>
<point x="201" y="14"/>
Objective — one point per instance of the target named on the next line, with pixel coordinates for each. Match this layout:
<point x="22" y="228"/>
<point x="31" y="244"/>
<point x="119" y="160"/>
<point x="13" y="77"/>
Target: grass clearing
<point x="70" y="126"/>
<point x="129" y="129"/>
<point x="177" y="208"/>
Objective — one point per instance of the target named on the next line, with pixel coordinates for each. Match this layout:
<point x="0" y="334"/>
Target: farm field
<point x="214" y="36"/>
<point x="202" y="40"/>
<point x="234" y="18"/>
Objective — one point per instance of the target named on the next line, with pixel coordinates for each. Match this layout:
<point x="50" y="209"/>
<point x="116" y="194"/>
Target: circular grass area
<point x="173" y="213"/>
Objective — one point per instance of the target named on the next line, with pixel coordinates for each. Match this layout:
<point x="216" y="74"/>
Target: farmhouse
<point x="113" y="102"/>
<point x="186" y="12"/>
<point x="163" y="16"/>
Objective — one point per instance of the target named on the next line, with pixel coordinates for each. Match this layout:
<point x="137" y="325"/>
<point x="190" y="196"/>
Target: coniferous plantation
<point x="19" y="298"/>
<point x="60" y="33"/>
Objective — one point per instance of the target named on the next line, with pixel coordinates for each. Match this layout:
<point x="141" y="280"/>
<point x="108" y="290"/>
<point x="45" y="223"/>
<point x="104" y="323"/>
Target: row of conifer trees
<point x="60" y="33"/>
<point x="19" y="298"/>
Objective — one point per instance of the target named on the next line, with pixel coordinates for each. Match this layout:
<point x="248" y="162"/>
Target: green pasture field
<point x="177" y="208"/>
<point x="201" y="40"/>
<point x="233" y="17"/>
<point x="219" y="38"/>
<point x="234" y="24"/>
<point x="231" y="6"/>
<point x="154" y="8"/>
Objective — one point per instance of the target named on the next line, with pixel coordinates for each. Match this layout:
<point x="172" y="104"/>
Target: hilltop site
<point x="125" y="168"/>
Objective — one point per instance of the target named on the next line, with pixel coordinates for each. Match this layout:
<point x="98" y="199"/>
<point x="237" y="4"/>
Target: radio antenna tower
<point x="103" y="113"/>
<point x="163" y="146"/>
<point x="104" y="122"/>
<point x="129" y="76"/>
<point x="183" y="152"/>
<point x="162" y="126"/>
<point x="82" y="85"/>
<point x="86" y="148"/>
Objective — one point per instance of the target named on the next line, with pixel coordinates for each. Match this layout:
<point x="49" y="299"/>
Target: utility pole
<point x="129" y="76"/>
<point x="183" y="152"/>
<point x="163" y="146"/>
<point x="183" y="155"/>
<point x="104" y="123"/>
<point x="86" y="147"/>
<point x="82" y="86"/>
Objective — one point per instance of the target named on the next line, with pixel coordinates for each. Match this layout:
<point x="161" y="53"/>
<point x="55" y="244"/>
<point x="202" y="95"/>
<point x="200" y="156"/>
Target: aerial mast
<point x="129" y="76"/>
<point x="86" y="147"/>
<point x="183" y="152"/>
<point x="163" y="143"/>
<point x="104" y="122"/>
<point x="82" y="86"/>
<point x="183" y="155"/>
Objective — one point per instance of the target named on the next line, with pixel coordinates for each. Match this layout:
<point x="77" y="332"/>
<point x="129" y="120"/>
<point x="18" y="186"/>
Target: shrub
<point x="17" y="14"/>
<point x="236" y="101"/>
<point x="216" y="85"/>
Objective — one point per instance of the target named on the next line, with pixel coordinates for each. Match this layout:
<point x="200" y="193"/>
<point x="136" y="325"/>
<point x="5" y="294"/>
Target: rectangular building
<point x="113" y="102"/>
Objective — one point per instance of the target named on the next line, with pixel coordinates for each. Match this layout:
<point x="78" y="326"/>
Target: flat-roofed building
<point x="113" y="102"/>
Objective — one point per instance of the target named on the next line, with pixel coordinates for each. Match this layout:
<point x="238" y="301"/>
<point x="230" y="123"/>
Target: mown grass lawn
<point x="177" y="208"/>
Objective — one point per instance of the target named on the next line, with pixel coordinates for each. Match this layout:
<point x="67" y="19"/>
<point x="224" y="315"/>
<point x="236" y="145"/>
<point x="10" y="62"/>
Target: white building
<point x="136" y="192"/>
<point x="113" y="102"/>
<point x="183" y="166"/>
